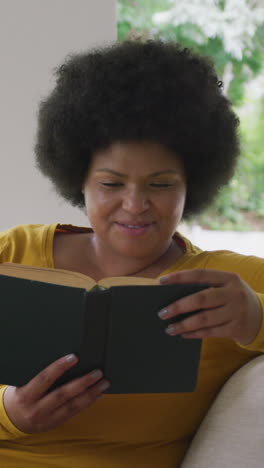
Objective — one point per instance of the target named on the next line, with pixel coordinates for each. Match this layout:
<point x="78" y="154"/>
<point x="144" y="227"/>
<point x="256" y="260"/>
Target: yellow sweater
<point x="148" y="430"/>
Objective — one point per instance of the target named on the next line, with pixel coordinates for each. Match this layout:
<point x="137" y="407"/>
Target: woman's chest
<point x="75" y="253"/>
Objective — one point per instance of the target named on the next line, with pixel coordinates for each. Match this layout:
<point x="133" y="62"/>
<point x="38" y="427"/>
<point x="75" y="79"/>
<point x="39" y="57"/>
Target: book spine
<point x="95" y="331"/>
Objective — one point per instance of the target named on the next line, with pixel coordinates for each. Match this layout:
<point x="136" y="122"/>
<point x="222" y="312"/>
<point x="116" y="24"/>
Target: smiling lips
<point x="139" y="228"/>
<point x="135" y="225"/>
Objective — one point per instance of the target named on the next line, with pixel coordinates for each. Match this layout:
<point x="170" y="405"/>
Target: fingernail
<point x="103" y="386"/>
<point x="163" y="279"/>
<point x="169" y="329"/>
<point x="96" y="374"/>
<point x="70" y="357"/>
<point x="163" y="313"/>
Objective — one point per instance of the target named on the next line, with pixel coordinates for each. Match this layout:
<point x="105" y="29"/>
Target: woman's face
<point x="134" y="196"/>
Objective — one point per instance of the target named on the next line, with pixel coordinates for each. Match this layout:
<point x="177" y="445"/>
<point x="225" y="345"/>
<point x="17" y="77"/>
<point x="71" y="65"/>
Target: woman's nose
<point x="135" y="202"/>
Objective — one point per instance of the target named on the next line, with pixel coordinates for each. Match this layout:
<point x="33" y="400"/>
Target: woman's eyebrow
<point x="171" y="171"/>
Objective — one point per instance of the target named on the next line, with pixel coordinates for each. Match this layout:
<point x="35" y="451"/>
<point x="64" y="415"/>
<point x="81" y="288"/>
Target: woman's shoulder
<point x="229" y="259"/>
<point x="19" y="243"/>
<point x="249" y="267"/>
<point x="225" y="259"/>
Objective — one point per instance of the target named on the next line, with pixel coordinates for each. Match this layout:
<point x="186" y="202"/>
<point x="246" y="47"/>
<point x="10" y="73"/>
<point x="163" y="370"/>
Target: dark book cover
<point x="116" y="330"/>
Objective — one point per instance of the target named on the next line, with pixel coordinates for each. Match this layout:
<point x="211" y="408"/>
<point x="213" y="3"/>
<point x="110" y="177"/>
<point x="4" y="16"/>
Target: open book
<point x="113" y="325"/>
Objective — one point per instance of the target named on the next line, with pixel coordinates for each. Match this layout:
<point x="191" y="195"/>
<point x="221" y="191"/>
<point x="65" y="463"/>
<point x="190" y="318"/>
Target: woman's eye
<point x="162" y="185"/>
<point x="118" y="184"/>
<point x="109" y="184"/>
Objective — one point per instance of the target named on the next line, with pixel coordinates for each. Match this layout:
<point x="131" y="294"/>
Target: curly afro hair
<point x="138" y="91"/>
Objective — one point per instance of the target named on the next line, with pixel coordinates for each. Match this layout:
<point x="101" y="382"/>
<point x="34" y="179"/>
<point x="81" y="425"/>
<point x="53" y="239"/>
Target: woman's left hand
<point x="230" y="308"/>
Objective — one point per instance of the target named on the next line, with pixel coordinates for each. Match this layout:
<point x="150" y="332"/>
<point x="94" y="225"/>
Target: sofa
<point x="232" y="433"/>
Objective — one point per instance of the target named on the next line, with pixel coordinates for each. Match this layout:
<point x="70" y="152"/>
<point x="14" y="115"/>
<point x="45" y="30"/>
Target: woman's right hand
<point x="31" y="409"/>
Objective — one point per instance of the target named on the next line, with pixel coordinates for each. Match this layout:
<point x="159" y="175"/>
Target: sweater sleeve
<point x="251" y="270"/>
<point x="258" y="343"/>
<point x="7" y="429"/>
<point x="20" y="244"/>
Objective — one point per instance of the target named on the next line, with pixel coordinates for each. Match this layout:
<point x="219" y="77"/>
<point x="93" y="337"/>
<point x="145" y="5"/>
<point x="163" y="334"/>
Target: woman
<point x="141" y="136"/>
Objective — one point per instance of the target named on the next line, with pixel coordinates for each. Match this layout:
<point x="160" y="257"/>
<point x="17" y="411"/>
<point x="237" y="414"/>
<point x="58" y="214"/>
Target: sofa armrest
<point x="232" y="433"/>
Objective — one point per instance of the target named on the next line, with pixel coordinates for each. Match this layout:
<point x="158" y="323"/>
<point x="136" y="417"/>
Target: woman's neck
<point x="76" y="252"/>
<point x="105" y="265"/>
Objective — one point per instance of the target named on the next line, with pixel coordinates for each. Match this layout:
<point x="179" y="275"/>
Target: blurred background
<point x="231" y="32"/>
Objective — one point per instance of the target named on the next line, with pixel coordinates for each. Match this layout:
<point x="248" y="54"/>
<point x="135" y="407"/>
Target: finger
<point x="214" y="277"/>
<point x="77" y="404"/>
<point x="203" y="320"/>
<point x="40" y="384"/>
<point x="209" y="298"/>
<point x="223" y="331"/>
<point x="70" y="390"/>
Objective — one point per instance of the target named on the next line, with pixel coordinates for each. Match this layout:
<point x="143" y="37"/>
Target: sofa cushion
<point x="232" y="433"/>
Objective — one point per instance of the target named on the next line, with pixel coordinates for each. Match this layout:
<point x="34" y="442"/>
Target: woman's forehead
<point x="145" y="154"/>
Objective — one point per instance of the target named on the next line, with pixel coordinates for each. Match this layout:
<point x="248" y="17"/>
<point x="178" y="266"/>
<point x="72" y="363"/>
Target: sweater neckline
<point x="186" y="246"/>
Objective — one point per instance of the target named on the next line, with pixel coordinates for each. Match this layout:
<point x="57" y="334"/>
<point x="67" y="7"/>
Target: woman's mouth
<point x="134" y="229"/>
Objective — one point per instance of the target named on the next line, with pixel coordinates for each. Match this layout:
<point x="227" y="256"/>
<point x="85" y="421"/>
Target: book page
<point x="69" y="278"/>
<point x="47" y="275"/>
<point x="127" y="281"/>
